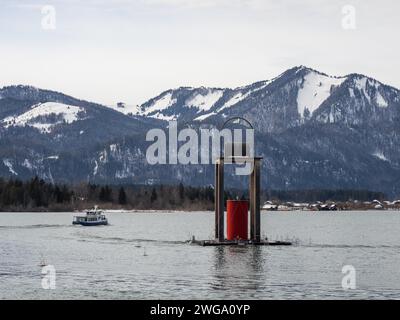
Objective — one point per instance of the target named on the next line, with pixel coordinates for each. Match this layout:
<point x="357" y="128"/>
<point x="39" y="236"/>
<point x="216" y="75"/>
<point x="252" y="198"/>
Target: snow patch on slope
<point x="315" y="90"/>
<point x="204" y="102"/>
<point x="27" y="164"/>
<point x="161" y="116"/>
<point x="32" y="118"/>
<point x="205" y="116"/>
<point x="380" y="101"/>
<point x="240" y="96"/>
<point x="96" y="168"/>
<point x="235" y="99"/>
<point x="160" y="104"/>
<point x="380" y="156"/>
<point x="361" y="85"/>
<point x="8" y="164"/>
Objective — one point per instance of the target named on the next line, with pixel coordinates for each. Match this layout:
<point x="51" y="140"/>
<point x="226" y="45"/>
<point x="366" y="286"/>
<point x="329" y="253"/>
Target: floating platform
<point x="214" y="243"/>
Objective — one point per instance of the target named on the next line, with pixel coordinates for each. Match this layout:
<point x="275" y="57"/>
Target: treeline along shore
<point x="38" y="195"/>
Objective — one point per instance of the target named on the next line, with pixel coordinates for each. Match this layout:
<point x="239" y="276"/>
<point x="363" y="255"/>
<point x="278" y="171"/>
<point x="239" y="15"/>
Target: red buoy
<point x="237" y="221"/>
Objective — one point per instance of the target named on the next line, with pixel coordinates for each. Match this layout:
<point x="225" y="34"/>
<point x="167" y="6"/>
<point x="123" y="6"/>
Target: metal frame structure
<point x="254" y="195"/>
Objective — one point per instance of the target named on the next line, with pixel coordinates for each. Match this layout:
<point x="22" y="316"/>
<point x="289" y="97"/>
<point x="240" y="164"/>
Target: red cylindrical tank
<point x="237" y="221"/>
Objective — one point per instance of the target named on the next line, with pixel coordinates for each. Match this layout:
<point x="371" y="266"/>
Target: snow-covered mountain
<point x="195" y="103"/>
<point x="313" y="130"/>
<point x="54" y="113"/>
<point x="45" y="116"/>
<point x="56" y="136"/>
<point x="294" y="97"/>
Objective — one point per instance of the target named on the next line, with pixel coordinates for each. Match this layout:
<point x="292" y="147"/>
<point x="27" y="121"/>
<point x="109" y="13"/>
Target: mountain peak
<point x="306" y="69"/>
<point x="284" y="101"/>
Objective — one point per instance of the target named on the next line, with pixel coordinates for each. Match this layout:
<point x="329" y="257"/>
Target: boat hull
<point x="91" y="223"/>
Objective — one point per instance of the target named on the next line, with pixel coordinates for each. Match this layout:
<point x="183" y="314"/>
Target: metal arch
<point x="241" y="118"/>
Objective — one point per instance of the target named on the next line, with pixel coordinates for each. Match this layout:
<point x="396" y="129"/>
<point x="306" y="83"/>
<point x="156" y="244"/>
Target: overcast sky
<point x="119" y="50"/>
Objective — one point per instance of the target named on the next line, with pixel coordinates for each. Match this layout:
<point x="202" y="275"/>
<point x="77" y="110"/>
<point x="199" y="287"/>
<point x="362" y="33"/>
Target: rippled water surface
<point x="145" y="255"/>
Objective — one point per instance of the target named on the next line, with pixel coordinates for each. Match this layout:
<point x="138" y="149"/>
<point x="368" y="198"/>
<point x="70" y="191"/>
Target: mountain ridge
<point x="181" y="109"/>
<point x="313" y="130"/>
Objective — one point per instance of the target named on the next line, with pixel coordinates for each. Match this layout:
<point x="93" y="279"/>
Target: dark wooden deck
<point x="205" y="243"/>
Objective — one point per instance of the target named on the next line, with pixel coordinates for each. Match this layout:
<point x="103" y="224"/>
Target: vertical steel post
<point x="251" y="199"/>
<point x="257" y="201"/>
<point x="216" y="197"/>
<point x="254" y="195"/>
<point x="219" y="200"/>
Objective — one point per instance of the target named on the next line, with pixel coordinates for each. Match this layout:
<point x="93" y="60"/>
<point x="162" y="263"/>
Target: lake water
<point x="144" y="255"/>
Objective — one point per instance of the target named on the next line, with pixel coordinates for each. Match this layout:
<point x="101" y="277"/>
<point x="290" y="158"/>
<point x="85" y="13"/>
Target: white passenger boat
<point x="93" y="217"/>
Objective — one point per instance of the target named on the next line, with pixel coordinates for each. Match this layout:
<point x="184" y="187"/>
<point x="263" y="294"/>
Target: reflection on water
<point x="146" y="255"/>
<point x="237" y="268"/>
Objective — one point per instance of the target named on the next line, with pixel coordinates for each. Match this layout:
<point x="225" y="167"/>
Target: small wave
<point x="350" y="246"/>
<point x="129" y="240"/>
<point x="35" y="226"/>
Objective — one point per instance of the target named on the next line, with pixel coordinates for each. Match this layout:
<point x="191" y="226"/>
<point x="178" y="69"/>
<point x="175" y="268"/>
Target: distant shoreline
<point x="167" y="211"/>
